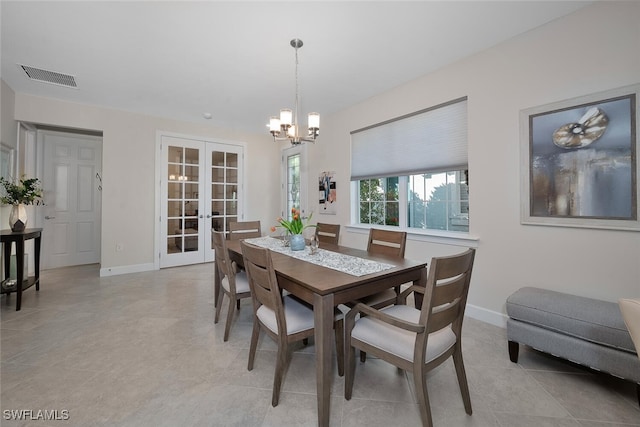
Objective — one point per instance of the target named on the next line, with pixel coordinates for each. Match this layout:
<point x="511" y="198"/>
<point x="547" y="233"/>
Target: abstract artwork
<point x="327" y="192"/>
<point x="579" y="162"/>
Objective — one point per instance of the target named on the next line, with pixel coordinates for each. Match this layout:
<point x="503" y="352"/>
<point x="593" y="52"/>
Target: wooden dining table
<point x="325" y="288"/>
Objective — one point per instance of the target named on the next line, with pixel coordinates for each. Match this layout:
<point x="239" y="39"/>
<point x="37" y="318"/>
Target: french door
<point x="200" y="187"/>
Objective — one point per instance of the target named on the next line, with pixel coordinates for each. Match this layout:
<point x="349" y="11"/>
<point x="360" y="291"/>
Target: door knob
<point x="49" y="217"/>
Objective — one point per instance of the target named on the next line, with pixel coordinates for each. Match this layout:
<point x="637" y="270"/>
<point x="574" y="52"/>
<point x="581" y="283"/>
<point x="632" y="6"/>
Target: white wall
<point x="129" y="152"/>
<point x="8" y="135"/>
<point x="594" y="49"/>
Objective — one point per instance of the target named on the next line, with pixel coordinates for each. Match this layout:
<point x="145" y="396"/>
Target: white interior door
<point x="199" y="187"/>
<point x="71" y="184"/>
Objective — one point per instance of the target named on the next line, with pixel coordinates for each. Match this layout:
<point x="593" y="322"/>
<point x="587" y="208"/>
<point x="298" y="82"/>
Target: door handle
<point x="49" y="217"/>
<point x="208" y="216"/>
<point x="201" y="216"/>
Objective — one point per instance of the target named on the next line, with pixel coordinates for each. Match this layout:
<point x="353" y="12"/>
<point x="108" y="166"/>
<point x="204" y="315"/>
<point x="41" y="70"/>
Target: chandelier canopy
<point x="286" y="126"/>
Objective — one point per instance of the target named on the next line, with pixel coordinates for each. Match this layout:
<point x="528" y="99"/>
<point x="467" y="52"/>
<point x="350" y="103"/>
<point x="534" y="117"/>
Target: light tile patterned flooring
<point x="142" y="350"/>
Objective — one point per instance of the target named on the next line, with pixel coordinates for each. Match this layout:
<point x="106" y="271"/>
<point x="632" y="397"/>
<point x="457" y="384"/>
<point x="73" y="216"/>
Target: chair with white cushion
<point x="284" y="319"/>
<point x="234" y="283"/>
<point x="417" y="340"/>
<point x="389" y="243"/>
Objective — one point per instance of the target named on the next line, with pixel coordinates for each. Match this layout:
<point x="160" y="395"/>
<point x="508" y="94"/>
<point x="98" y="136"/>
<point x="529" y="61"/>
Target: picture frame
<point x="7" y="161"/>
<point x="579" y="161"/>
<point x="327" y="194"/>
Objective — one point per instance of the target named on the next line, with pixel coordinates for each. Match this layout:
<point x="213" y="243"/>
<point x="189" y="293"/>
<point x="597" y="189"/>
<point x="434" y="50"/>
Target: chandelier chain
<point x="295" y="112"/>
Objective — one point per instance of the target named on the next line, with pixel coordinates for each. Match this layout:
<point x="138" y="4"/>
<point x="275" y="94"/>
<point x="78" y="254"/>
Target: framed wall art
<point x="579" y="161"/>
<point x="327" y="192"/>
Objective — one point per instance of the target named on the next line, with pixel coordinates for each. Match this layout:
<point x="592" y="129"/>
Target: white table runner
<point x="344" y="263"/>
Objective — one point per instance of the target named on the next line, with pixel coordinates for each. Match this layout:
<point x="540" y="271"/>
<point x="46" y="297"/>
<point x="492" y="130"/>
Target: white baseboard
<point x="487" y="316"/>
<point x="138" y="268"/>
<point x="473" y="311"/>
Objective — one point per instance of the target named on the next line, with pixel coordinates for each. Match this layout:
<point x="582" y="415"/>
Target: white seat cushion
<point x="398" y="341"/>
<point x="242" y="283"/>
<point x="298" y="316"/>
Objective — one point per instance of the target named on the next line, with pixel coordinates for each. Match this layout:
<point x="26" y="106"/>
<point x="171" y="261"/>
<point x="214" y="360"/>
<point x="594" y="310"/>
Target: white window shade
<point x="431" y="140"/>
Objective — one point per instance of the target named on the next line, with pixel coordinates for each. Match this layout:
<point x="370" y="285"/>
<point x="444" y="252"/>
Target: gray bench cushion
<point x="592" y="320"/>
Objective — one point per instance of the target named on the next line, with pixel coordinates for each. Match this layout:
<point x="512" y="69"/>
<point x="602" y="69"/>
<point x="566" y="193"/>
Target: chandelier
<point x="285" y="127"/>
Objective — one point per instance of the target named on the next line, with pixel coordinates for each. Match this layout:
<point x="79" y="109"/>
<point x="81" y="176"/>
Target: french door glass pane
<point x="293" y="183"/>
<point x="182" y="199"/>
<point x="224" y="189"/>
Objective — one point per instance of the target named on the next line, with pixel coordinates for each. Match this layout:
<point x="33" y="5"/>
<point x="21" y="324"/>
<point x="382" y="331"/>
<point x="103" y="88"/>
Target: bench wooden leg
<point x="638" y="392"/>
<point x="513" y="353"/>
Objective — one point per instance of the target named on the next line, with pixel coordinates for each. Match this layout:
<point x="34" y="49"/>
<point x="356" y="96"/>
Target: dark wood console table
<point x="7" y="237"/>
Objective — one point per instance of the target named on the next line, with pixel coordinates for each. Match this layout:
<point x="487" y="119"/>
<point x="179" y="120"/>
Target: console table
<point x="7" y="238"/>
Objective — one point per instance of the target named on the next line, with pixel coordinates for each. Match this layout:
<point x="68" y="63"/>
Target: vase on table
<point x="18" y="217"/>
<point x="297" y="242"/>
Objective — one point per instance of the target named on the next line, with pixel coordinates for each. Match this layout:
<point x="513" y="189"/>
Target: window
<point x="439" y="201"/>
<point x="379" y="201"/>
<point x="293" y="184"/>
<point x="294" y="180"/>
<point x="421" y="180"/>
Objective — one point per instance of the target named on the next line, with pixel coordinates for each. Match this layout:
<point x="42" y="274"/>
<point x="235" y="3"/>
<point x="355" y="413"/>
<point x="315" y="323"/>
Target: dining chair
<point x="630" y="309"/>
<point x="285" y="319"/>
<point x="328" y="233"/>
<point x="417" y="340"/>
<point x="234" y="283"/>
<point x="244" y="230"/>
<point x="383" y="242"/>
<point x="391" y="243"/>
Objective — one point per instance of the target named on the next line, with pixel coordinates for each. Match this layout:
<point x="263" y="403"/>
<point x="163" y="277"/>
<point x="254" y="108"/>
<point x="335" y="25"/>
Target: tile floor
<point x="142" y="350"/>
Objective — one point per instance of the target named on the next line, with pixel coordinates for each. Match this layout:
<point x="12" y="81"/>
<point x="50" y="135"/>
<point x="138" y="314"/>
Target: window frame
<point x="424" y="133"/>
<point x="403" y="205"/>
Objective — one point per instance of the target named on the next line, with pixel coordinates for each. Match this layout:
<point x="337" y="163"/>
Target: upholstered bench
<point x="583" y="330"/>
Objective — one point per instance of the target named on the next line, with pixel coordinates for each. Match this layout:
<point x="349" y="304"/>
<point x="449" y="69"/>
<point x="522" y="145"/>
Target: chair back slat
<point x="387" y="242"/>
<point x="449" y="291"/>
<point x="443" y="316"/>
<point x="244" y="230"/>
<point x="328" y="233"/>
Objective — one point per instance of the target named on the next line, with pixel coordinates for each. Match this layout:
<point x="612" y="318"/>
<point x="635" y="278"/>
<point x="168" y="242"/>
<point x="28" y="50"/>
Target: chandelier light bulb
<point x="314" y="121"/>
<point x="286" y="117"/>
<point x="274" y="124"/>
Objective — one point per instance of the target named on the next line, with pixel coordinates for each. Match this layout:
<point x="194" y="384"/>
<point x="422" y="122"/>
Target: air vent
<point x="51" y="77"/>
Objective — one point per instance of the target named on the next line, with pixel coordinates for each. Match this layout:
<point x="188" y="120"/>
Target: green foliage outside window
<point x="379" y="201"/>
<point x="435" y="201"/>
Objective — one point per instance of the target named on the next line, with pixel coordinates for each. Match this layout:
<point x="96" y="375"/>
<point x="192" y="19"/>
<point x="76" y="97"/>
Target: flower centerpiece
<point x="295" y="227"/>
<point x="27" y="191"/>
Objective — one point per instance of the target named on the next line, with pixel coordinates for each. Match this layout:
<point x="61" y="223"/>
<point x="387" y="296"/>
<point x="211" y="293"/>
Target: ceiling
<point x="180" y="59"/>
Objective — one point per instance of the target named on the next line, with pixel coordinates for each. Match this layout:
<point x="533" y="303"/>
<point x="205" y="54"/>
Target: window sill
<point x="455" y="238"/>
